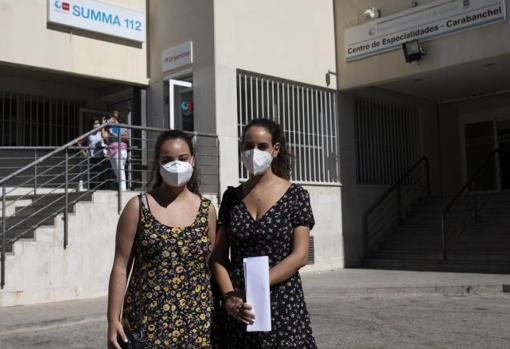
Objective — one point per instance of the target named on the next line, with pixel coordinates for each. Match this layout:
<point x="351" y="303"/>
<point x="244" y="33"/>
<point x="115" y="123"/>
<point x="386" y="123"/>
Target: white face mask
<point x="256" y="161"/>
<point x="176" y="173"/>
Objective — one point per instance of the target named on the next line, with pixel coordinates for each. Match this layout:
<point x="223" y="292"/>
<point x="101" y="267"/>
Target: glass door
<point x="181" y="104"/>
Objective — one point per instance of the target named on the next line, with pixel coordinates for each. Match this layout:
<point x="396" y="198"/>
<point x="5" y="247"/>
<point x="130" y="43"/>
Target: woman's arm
<point x="295" y="260"/>
<point x="234" y="303"/>
<point x="105" y="134"/>
<point x="219" y="261"/>
<point x="126" y="231"/>
<point x="83" y="150"/>
<point x="124" y="135"/>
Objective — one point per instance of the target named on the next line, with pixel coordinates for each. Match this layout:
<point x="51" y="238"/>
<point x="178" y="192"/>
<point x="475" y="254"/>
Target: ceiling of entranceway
<point x="463" y="81"/>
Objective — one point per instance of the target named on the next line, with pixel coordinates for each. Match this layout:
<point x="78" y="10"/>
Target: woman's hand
<point x="237" y="308"/>
<point x="115" y="331"/>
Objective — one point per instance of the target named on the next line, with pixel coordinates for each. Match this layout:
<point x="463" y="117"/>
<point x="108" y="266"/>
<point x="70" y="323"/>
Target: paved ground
<point x="349" y="309"/>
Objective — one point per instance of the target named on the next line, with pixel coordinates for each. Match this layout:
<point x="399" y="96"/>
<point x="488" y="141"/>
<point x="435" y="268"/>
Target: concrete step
<point x="501" y="237"/>
<point x="410" y="237"/>
<point x="486" y="257"/>
<point x="422" y="218"/>
<point x="39" y="219"/>
<point x="11" y="205"/>
<point x="430" y="254"/>
<point x="437" y="265"/>
<point x="41" y="212"/>
<point x="49" y="204"/>
<point x="417" y="241"/>
<point x="16" y="234"/>
<point x="417" y="229"/>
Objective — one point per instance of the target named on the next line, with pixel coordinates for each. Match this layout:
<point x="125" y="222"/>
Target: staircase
<point x="34" y="211"/>
<point x="57" y="229"/>
<point x="488" y="242"/>
<point x="416" y="243"/>
<point x="469" y="231"/>
<point x="38" y="267"/>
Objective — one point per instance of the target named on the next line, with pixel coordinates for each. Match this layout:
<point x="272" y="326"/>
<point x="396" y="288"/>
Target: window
<point x="37" y="121"/>
<point x="387" y="140"/>
<point x="307" y="115"/>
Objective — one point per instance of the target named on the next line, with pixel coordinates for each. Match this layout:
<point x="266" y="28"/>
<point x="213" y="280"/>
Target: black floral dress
<point x="270" y="235"/>
<point x="169" y="295"/>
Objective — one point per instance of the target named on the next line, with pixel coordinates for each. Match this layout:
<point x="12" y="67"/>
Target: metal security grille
<point x="307" y="115"/>
<point x="311" y="250"/>
<point x="27" y="120"/>
<point x="387" y="140"/>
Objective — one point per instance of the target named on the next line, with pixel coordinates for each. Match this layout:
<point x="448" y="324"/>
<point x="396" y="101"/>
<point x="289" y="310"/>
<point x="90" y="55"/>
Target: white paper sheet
<point x="256" y="279"/>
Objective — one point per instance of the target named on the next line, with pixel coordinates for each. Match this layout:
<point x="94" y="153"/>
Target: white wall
<point x="291" y="39"/>
<point x="329" y="245"/>
<point x="28" y="40"/>
<point x="468" y="46"/>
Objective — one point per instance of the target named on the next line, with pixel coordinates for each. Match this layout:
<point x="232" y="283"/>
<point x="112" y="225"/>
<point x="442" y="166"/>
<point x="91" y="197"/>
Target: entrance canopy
<point x="468" y="80"/>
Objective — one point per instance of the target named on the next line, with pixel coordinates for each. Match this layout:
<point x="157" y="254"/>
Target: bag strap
<point x="141" y="205"/>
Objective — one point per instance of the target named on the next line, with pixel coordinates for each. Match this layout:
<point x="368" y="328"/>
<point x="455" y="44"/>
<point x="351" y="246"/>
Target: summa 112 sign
<point x="98" y="17"/>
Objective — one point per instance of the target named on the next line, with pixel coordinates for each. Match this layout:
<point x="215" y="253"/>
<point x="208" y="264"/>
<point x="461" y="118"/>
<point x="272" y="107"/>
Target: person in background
<point x="95" y="151"/>
<point x="117" y="140"/>
<point x="265" y="216"/>
<point x="169" y="233"/>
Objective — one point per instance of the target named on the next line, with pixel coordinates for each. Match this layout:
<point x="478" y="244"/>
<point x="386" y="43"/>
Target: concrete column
<point x="226" y="125"/>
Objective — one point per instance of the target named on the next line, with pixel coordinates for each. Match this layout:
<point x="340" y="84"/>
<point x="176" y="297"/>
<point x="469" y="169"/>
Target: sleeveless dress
<point x="169" y="294"/>
<point x="270" y="235"/>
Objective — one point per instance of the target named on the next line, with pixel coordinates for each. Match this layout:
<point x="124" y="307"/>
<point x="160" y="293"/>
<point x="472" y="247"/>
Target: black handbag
<point x="135" y="338"/>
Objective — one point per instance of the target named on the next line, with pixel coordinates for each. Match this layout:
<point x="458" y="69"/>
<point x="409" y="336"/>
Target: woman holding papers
<point x="266" y="216"/>
<point x="169" y="232"/>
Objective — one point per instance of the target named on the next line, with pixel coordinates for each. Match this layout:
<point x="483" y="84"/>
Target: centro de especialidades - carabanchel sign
<point x="99" y="17"/>
<point x="425" y="22"/>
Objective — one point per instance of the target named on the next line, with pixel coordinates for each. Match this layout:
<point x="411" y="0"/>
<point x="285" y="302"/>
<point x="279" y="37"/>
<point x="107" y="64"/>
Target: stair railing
<point x="464" y="208"/>
<point x="390" y="209"/>
<point x="54" y="182"/>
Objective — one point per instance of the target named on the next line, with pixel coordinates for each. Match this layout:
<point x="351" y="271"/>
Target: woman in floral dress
<point x="266" y="216"/>
<point x="169" y="233"/>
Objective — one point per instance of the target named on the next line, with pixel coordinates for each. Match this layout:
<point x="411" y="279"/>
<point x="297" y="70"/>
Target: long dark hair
<point x="282" y="164"/>
<point x="156" y="178"/>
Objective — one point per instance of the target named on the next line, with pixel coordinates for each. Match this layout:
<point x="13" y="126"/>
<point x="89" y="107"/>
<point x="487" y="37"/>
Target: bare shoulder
<point x="131" y="209"/>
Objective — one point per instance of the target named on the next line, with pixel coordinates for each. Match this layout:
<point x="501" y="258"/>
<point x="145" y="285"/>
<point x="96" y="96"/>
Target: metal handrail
<point x="456" y="198"/>
<point x="70" y="173"/>
<point x="397" y="186"/>
<point x="400" y="181"/>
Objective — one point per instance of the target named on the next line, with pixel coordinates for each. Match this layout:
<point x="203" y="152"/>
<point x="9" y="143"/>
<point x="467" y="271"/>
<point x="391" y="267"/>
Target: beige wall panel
<point x="27" y="40"/>
<point x="292" y="39"/>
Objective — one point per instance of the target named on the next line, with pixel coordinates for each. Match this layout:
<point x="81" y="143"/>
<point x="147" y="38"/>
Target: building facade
<point x="452" y="106"/>
<point x="333" y="73"/>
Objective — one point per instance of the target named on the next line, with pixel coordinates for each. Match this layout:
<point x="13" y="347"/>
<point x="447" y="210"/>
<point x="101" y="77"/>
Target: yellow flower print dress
<point x="169" y="295"/>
